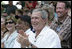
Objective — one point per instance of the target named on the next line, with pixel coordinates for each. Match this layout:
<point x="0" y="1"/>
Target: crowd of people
<point x="36" y="25"/>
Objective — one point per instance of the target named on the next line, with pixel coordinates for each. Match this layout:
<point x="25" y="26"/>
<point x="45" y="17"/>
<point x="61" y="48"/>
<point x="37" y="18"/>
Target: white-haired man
<point x="44" y="37"/>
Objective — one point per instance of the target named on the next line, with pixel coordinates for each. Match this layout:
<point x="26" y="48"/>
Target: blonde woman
<point x="10" y="37"/>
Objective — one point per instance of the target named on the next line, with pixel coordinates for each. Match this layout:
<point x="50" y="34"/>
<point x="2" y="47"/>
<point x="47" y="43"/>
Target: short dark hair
<point x="67" y="4"/>
<point x="26" y="18"/>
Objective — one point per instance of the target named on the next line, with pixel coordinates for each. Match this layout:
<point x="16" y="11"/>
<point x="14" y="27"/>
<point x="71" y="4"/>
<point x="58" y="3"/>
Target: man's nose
<point x="8" y="23"/>
<point x="57" y="10"/>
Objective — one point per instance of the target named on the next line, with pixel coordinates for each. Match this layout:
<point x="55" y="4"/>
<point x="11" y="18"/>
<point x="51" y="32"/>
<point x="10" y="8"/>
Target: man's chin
<point x="34" y="28"/>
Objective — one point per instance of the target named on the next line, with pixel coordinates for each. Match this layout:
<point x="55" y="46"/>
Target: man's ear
<point x="46" y="20"/>
<point x="67" y="10"/>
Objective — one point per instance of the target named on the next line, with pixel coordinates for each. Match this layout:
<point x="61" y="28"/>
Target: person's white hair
<point x="43" y="12"/>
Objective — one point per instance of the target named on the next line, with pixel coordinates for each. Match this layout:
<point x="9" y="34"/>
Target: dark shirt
<point x="10" y="9"/>
<point x="63" y="29"/>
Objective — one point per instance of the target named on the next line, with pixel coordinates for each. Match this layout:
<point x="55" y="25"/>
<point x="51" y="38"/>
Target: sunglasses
<point x="9" y="22"/>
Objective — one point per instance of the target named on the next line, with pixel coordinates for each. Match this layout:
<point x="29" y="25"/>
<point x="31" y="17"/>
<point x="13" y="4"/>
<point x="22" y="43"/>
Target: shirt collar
<point x="43" y="31"/>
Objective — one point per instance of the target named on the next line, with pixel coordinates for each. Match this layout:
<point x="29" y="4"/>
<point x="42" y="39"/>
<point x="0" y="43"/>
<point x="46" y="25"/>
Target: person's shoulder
<point x="6" y="34"/>
<point x="53" y="34"/>
<point x="14" y="6"/>
<point x="28" y="31"/>
<point x="51" y="31"/>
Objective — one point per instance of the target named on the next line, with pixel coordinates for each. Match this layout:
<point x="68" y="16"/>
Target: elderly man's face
<point x="37" y="21"/>
<point x="60" y="9"/>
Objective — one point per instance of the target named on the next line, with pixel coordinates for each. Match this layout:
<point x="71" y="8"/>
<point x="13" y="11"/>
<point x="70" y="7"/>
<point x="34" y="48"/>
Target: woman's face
<point x="2" y="22"/>
<point x="10" y="25"/>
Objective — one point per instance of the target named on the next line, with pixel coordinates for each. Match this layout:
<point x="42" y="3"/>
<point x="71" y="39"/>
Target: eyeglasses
<point x="9" y="22"/>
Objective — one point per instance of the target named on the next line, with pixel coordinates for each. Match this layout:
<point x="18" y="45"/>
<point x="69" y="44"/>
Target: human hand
<point x="23" y="40"/>
<point x="21" y="32"/>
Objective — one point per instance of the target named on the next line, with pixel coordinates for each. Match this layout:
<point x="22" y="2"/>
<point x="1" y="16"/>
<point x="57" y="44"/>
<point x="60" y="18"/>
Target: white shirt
<point x="11" y="41"/>
<point x="46" y="39"/>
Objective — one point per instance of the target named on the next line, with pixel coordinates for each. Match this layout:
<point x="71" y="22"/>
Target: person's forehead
<point x="60" y="4"/>
<point x="36" y="14"/>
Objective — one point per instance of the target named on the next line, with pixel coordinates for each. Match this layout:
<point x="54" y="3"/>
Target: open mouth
<point x="34" y="24"/>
